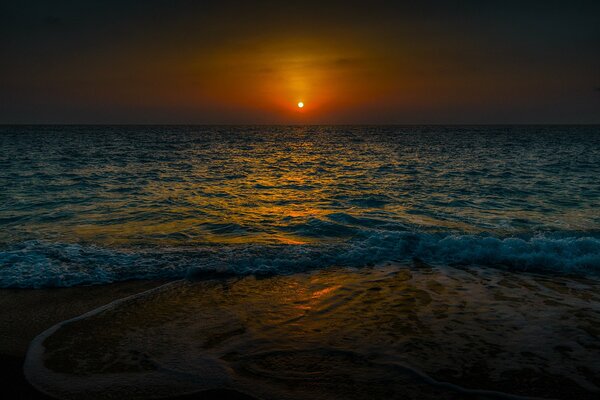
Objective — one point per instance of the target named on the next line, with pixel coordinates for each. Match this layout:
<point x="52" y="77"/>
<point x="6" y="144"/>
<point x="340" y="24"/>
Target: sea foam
<point x="34" y="264"/>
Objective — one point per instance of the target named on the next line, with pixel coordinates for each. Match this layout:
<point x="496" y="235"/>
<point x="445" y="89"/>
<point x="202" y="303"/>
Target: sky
<point x="251" y="62"/>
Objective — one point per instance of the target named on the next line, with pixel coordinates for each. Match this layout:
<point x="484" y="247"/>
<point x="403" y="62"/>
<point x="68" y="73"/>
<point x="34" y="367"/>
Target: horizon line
<point x="315" y="124"/>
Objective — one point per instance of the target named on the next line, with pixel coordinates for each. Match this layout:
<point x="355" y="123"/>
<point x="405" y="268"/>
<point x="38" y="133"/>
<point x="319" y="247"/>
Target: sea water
<point x="98" y="204"/>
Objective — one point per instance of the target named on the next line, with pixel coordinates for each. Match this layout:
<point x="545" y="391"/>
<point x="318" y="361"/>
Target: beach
<point x="25" y="313"/>
<point x="428" y="332"/>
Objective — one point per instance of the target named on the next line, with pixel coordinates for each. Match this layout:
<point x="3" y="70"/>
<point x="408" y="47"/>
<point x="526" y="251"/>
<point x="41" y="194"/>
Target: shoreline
<point x="429" y="301"/>
<point x="25" y="313"/>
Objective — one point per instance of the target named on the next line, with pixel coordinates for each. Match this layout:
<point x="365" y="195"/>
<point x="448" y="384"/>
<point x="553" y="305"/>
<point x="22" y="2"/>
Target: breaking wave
<point x="35" y="264"/>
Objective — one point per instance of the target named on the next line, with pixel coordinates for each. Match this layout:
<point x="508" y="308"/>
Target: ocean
<point x="96" y="204"/>
<point x="307" y="262"/>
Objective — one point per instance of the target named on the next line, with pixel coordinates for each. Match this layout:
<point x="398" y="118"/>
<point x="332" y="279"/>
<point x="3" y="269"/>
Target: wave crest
<point x="35" y="264"/>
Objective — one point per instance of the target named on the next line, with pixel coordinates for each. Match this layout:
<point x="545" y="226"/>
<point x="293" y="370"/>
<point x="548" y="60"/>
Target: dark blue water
<point x="97" y="204"/>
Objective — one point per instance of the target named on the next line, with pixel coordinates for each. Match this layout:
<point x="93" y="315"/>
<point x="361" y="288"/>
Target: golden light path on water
<point x="276" y="190"/>
<point x="237" y="191"/>
<point x="104" y="204"/>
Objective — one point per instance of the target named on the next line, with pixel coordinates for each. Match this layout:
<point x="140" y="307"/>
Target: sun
<point x="300" y="104"/>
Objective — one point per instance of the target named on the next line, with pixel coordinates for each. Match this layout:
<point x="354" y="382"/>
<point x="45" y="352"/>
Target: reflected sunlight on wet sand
<point x="416" y="331"/>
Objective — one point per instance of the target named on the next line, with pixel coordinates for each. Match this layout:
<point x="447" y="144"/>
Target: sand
<point x="25" y="313"/>
<point x="415" y="332"/>
<point x="334" y="333"/>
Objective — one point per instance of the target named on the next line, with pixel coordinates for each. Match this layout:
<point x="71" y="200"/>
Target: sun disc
<point x="300" y="104"/>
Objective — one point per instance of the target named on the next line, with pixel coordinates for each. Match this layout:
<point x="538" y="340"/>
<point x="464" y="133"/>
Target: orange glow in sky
<point x="352" y="63"/>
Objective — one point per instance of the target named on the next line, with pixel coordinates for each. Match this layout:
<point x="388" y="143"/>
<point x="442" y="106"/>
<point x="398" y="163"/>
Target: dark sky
<point x="253" y="61"/>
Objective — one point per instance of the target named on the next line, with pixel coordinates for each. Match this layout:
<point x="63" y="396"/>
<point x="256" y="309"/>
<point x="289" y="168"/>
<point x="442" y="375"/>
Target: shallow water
<point x="97" y="204"/>
<point x="400" y="331"/>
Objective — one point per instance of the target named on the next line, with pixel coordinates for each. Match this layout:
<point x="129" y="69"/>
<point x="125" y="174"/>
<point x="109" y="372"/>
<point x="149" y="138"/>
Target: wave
<point x="36" y="264"/>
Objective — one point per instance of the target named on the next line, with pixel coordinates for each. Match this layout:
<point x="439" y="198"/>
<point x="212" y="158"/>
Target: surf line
<point x="34" y="364"/>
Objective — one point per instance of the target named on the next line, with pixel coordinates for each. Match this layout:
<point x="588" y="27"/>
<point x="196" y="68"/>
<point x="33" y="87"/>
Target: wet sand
<point x="418" y="332"/>
<point x="25" y="313"/>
